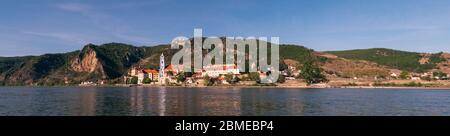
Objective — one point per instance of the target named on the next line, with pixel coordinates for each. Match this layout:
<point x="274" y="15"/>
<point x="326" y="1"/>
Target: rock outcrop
<point x="86" y="63"/>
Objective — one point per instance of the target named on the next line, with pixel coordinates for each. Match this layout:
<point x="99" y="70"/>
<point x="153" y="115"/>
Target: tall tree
<point x="311" y="72"/>
<point x="181" y="77"/>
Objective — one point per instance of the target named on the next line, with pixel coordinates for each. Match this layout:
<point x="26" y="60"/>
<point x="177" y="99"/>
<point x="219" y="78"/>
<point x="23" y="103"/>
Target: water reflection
<point x="139" y="101"/>
<point x="162" y="101"/>
<point x="88" y="102"/>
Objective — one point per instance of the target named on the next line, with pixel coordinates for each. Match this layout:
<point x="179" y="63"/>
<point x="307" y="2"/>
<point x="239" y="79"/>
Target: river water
<point x="140" y="101"/>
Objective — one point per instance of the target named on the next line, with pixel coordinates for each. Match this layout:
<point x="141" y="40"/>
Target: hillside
<point x="408" y="61"/>
<point x="110" y="62"/>
<point x="92" y="63"/>
<point x="107" y="62"/>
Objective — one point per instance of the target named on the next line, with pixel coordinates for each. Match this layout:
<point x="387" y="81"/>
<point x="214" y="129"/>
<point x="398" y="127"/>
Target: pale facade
<point x="220" y="69"/>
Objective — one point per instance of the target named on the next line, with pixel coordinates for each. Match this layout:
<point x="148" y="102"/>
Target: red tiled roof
<point x="150" y="71"/>
<point x="171" y="67"/>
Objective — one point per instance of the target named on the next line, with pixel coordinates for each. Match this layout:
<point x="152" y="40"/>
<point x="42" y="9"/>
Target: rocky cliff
<point x="110" y="62"/>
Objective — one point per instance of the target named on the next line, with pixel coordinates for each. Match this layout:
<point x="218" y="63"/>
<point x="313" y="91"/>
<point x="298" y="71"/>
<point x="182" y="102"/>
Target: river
<point x="178" y="101"/>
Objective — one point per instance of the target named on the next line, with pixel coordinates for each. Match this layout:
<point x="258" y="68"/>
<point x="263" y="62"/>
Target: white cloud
<point x="108" y="23"/>
<point x="74" y="7"/>
<point x="72" y="38"/>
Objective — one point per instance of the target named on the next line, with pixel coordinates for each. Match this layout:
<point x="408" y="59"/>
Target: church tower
<point x="161" y="69"/>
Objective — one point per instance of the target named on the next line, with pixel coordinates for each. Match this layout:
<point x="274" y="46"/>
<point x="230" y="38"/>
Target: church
<point x="160" y="76"/>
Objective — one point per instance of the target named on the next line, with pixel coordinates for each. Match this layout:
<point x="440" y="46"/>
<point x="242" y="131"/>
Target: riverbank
<point x="391" y="84"/>
<point x="290" y="87"/>
<point x="228" y="87"/>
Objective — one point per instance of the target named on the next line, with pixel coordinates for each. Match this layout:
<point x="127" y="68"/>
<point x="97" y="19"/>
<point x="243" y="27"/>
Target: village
<point x="230" y="75"/>
<point x="173" y="75"/>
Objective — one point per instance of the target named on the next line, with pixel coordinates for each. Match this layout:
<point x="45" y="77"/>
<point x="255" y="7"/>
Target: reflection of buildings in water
<point x="153" y="101"/>
<point x="252" y="102"/>
<point x="221" y="102"/>
<point x="162" y="101"/>
<point x="88" y="103"/>
<point x="136" y="101"/>
<point x="186" y="101"/>
<point x="191" y="103"/>
<point x="177" y="101"/>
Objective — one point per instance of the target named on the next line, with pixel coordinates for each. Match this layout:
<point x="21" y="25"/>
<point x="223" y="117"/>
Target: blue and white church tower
<point x="161" y="69"/>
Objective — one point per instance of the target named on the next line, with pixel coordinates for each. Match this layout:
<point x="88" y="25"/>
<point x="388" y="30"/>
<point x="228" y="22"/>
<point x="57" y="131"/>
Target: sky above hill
<point x="50" y="26"/>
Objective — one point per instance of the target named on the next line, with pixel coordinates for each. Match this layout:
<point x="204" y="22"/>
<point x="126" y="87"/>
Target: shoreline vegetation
<point x="351" y="85"/>
<point x="287" y="87"/>
<point x="116" y="64"/>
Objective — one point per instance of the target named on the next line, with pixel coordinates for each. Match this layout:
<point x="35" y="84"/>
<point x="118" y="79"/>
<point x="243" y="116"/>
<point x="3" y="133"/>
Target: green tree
<point x="289" y="73"/>
<point x="181" y="77"/>
<point x="147" y="80"/>
<point x="281" y="79"/>
<point x="404" y="75"/>
<point x="312" y="73"/>
<point x="427" y="78"/>
<point x="188" y="74"/>
<point x="439" y="74"/>
<point x="134" y="80"/>
<point x="230" y="78"/>
<point x="254" y="76"/>
<point x="170" y="73"/>
<point x="208" y="80"/>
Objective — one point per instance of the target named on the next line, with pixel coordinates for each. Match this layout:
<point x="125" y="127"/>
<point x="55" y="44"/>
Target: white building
<point x="140" y="77"/>
<point x="220" y="69"/>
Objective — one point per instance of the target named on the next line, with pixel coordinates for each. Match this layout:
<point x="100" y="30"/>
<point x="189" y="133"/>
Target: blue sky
<point x="50" y="26"/>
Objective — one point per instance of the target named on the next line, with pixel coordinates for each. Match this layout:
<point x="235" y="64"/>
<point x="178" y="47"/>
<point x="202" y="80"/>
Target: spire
<point x="161" y="69"/>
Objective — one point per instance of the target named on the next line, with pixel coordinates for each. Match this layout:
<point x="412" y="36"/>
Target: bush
<point x="147" y="80"/>
<point x="410" y="84"/>
<point x="181" y="77"/>
<point x="436" y="58"/>
<point x="134" y="80"/>
<point x="281" y="79"/>
<point x="209" y="81"/>
<point x="351" y="84"/>
<point x="404" y="75"/>
<point x="230" y="78"/>
<point x="254" y="76"/>
<point x="427" y="78"/>
<point x="439" y="74"/>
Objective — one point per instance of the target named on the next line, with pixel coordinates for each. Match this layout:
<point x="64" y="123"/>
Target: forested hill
<point x="107" y="62"/>
<point x="110" y="62"/>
